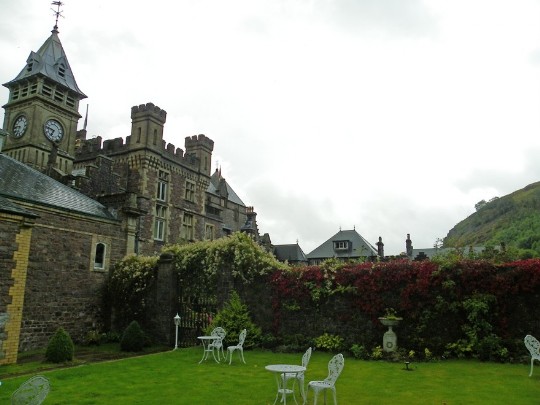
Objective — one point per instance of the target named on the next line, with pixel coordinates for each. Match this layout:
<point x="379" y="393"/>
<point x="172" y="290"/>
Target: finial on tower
<point x="57" y="13"/>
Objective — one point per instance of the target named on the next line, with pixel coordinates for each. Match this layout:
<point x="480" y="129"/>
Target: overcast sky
<point x="388" y="116"/>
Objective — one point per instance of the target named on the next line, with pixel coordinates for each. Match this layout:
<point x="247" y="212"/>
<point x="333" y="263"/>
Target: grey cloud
<point x="394" y="17"/>
<point x="502" y="181"/>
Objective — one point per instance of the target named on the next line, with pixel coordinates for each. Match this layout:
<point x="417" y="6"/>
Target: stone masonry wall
<point x="62" y="288"/>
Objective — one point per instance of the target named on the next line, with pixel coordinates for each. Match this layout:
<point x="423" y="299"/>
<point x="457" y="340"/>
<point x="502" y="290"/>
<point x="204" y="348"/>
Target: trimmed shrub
<point x="60" y="347"/>
<point x="133" y="338"/>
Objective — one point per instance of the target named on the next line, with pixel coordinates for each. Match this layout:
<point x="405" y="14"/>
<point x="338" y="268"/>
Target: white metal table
<point x="206" y="340"/>
<point x="279" y="370"/>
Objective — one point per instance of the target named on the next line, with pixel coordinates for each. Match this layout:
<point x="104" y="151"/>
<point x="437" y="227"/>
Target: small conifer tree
<point x="233" y="318"/>
<point x="60" y="347"/>
<point x="133" y="338"/>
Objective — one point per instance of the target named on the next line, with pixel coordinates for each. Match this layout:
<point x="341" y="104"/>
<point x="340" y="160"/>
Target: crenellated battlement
<point x="148" y="109"/>
<point x="149" y="136"/>
<point x="198" y="141"/>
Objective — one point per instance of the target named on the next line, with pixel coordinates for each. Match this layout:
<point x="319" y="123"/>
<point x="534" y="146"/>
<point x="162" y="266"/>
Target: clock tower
<point x="42" y="112"/>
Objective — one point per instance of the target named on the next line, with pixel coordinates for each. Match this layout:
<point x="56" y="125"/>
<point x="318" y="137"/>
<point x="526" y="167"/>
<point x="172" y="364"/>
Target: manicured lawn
<point x="175" y="377"/>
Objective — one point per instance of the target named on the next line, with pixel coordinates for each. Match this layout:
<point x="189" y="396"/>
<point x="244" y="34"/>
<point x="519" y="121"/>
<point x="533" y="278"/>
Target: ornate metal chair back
<point x="335" y="367"/>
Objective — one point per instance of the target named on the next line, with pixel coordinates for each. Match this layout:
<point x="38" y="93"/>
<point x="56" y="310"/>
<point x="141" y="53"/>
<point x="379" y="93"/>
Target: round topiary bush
<point x="133" y="338"/>
<point x="60" y="347"/>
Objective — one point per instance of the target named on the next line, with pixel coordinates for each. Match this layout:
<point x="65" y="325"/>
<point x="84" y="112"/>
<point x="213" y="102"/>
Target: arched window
<point x="99" y="260"/>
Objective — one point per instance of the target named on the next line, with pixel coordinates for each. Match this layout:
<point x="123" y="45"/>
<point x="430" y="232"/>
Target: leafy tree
<point x="480" y="204"/>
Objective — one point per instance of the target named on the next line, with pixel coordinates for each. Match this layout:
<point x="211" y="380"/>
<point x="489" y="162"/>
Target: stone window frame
<point x="209" y="232"/>
<point x="160" y="221"/>
<point x="162" y="185"/>
<point x="189" y="194"/>
<point x="188" y="226"/>
<point x="106" y="243"/>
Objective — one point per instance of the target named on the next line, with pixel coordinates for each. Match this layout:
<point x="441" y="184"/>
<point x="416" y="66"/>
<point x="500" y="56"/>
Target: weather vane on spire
<point x="57" y="13"/>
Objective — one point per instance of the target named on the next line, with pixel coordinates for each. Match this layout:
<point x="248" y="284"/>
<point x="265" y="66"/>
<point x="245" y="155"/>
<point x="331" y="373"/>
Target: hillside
<point x="513" y="219"/>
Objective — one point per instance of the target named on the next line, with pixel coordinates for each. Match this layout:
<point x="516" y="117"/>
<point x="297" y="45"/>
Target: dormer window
<point x="62" y="70"/>
<point x="30" y="66"/>
<point x="341" y="245"/>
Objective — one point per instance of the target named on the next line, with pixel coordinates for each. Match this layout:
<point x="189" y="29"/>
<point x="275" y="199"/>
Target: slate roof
<point x="216" y="181"/>
<point x="359" y="247"/>
<point x="12" y="208"/>
<point x="20" y="182"/>
<point x="290" y="253"/>
<point x="46" y="61"/>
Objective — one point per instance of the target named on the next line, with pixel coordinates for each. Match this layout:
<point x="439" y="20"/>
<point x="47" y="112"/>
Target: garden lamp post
<point x="177" y="323"/>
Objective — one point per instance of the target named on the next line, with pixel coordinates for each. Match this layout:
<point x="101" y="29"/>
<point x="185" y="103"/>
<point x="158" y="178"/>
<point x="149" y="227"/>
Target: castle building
<point x="71" y="206"/>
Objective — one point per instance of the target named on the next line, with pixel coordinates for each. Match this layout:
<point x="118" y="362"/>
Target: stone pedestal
<point x="390" y="337"/>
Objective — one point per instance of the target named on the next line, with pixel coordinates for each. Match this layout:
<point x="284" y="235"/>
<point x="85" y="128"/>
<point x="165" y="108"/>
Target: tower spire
<point x="57" y="13"/>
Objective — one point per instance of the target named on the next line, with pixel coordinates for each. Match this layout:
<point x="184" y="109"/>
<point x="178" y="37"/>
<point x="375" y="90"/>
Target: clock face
<point x="53" y="130"/>
<point x="19" y="127"/>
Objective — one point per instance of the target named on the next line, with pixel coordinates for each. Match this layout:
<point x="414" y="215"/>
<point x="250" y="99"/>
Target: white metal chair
<point x="31" y="392"/>
<point x="298" y="376"/>
<point x="217" y="344"/>
<point x="335" y="367"/>
<point x="239" y="347"/>
<point x="533" y="345"/>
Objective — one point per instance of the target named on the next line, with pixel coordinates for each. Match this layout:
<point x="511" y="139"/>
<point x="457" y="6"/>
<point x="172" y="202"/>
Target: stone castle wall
<point x="62" y="288"/>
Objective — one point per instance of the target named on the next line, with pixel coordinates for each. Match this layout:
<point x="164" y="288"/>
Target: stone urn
<point x="390" y="337"/>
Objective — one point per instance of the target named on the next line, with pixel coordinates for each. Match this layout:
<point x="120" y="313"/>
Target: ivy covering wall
<point x="452" y="308"/>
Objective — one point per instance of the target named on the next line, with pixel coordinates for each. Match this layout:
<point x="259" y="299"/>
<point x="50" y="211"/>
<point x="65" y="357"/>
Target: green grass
<point x="175" y="377"/>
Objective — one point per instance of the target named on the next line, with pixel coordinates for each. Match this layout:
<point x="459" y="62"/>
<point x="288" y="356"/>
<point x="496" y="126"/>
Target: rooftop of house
<point x="344" y="244"/>
<point x="291" y="253"/>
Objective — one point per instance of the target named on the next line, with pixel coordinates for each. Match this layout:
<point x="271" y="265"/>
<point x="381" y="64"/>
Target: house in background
<point x="344" y="245"/>
<point x="291" y="253"/>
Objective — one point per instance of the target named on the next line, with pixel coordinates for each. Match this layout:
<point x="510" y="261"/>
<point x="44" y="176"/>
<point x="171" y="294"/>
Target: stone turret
<point x="201" y="147"/>
<point x="147" y="121"/>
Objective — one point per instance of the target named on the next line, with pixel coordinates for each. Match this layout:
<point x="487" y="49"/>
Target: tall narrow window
<point x="99" y="259"/>
<point x="187" y="227"/>
<point x="155" y="136"/>
<point x="163" y="181"/>
<point x="209" y="232"/>
<point x="159" y="222"/>
<point x="190" y="191"/>
<point x="138" y="134"/>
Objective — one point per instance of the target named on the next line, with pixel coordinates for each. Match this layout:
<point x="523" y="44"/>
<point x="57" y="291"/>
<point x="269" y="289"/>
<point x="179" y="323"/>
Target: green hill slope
<point x="513" y="219"/>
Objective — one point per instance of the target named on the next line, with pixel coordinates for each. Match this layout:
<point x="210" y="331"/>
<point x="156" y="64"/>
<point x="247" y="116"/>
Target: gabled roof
<point x="291" y="253"/>
<point x="219" y="187"/>
<point x="20" y="182"/>
<point x="359" y="247"/>
<point x="50" y="61"/>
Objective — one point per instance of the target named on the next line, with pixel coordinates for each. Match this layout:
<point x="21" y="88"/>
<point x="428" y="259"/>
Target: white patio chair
<point x="217" y="344"/>
<point x="335" y="367"/>
<point x="533" y="345"/>
<point x="298" y="376"/>
<point x="31" y="392"/>
<point x="239" y="347"/>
